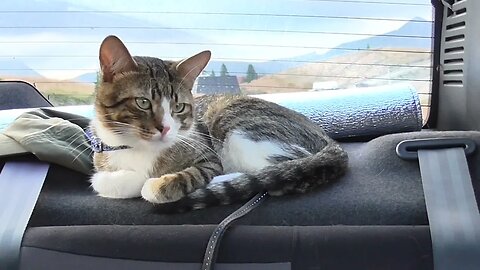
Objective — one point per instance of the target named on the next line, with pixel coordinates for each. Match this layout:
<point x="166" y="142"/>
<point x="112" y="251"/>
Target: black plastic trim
<point x="30" y="85"/>
<point x="437" y="38"/>
<point x="408" y="149"/>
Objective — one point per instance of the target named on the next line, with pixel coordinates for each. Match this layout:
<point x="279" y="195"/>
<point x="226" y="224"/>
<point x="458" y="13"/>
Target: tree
<point x="251" y="74"/>
<point x="223" y="70"/>
<point x="99" y="80"/>
<point x="212" y="74"/>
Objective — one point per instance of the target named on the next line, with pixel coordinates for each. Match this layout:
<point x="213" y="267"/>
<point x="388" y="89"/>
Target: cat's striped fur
<point x="177" y="149"/>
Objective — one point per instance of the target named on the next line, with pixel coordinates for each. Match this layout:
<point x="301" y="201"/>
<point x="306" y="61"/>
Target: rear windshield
<point x="257" y="46"/>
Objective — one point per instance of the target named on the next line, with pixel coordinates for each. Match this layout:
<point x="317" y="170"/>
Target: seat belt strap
<point x="20" y="185"/>
<point x="451" y="205"/>
<point x="452" y="209"/>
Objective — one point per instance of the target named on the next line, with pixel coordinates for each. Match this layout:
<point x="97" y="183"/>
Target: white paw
<point x="120" y="184"/>
<point x="162" y="190"/>
<point x="148" y="191"/>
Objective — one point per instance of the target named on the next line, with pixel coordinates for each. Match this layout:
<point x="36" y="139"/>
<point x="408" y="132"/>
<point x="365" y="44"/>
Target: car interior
<point x="409" y="199"/>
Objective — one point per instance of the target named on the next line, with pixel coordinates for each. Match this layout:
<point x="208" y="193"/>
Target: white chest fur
<point x="137" y="160"/>
<point x="140" y="158"/>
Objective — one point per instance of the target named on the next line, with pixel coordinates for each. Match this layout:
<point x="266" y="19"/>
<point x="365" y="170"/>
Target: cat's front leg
<point x="172" y="187"/>
<point x="119" y="184"/>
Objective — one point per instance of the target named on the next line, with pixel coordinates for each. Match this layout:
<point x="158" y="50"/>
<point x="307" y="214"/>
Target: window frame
<point x="435" y="88"/>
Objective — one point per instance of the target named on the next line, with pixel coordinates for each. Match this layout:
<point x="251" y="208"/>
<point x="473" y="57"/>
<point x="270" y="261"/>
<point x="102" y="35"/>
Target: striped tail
<point x="292" y="176"/>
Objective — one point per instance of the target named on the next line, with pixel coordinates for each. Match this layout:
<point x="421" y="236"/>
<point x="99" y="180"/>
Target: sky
<point x="68" y="38"/>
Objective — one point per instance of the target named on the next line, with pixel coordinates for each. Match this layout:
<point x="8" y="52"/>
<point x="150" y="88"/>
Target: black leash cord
<point x="214" y="241"/>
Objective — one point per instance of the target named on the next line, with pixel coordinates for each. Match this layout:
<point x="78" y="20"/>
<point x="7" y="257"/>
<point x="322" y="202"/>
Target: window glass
<point x="260" y="46"/>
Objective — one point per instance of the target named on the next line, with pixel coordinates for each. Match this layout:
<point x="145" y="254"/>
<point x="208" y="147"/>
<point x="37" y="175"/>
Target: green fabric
<point x="52" y="136"/>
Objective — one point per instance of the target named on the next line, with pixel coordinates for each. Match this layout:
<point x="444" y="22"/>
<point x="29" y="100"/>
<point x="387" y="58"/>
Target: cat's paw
<point x="120" y="184"/>
<point x="165" y="189"/>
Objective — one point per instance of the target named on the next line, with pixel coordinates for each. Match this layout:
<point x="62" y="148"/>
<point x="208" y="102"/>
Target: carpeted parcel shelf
<point x="378" y="189"/>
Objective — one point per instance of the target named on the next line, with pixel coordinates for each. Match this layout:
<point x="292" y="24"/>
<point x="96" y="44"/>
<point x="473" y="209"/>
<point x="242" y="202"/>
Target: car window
<point x="258" y="46"/>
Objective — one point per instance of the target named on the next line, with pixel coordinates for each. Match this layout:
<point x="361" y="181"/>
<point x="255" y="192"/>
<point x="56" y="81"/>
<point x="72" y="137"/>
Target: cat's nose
<point x="163" y="129"/>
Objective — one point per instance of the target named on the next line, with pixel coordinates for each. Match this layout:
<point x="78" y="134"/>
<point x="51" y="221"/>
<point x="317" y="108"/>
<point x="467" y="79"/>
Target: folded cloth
<point x="52" y="136"/>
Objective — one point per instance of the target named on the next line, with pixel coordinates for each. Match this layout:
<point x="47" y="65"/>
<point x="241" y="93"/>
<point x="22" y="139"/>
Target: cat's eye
<point x="178" y="108"/>
<point x="143" y="103"/>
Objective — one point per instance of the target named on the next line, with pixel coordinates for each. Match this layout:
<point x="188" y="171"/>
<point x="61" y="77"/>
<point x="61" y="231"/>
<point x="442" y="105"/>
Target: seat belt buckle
<point x="408" y="149"/>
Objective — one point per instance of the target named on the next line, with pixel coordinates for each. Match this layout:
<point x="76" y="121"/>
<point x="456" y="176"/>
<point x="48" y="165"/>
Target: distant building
<point x="209" y="85"/>
<point x="328" y="85"/>
<point x="365" y="83"/>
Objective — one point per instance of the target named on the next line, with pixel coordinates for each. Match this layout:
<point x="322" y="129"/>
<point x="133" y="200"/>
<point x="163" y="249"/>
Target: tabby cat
<point x="167" y="145"/>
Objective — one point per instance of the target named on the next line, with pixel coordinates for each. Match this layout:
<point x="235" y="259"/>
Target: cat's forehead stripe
<point x="161" y="79"/>
<point x="154" y="86"/>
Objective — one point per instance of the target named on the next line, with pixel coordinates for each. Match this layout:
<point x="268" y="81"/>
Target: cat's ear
<point x="115" y="58"/>
<point x="189" y="69"/>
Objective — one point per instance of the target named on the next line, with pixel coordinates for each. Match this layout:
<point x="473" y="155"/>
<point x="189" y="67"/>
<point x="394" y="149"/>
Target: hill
<point x="350" y="70"/>
<point x="395" y="39"/>
<point x="15" y="68"/>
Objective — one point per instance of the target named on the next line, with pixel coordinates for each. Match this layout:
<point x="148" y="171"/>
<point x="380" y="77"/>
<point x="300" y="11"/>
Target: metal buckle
<point x="408" y="149"/>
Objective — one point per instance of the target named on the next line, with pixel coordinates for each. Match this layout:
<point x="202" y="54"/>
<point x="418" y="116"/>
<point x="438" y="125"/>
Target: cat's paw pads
<point x="165" y="189"/>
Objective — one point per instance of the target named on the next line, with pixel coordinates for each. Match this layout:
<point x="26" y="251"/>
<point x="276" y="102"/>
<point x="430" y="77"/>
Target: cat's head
<point x="144" y="99"/>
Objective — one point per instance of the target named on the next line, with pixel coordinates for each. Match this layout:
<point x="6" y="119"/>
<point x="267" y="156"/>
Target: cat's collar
<point x="98" y="146"/>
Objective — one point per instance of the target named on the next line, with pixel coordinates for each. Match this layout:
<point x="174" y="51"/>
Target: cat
<point x="166" y="145"/>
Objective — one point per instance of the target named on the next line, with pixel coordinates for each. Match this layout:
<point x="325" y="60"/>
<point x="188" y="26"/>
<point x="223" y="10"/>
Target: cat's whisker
<point x="207" y="136"/>
<point x="75" y="119"/>
<point x="120" y="124"/>
<point x="197" y="147"/>
<point x="47" y="139"/>
<point x="199" y="143"/>
<point x="128" y="127"/>
<point x="75" y="137"/>
<point x="83" y="151"/>
<point x="202" y="153"/>
<point x="43" y="130"/>
<point x="205" y="148"/>
<point x="76" y="149"/>
<point x="105" y="114"/>
<point x="119" y="132"/>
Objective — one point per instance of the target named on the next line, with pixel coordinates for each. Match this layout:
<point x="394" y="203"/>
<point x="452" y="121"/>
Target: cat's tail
<point x="292" y="176"/>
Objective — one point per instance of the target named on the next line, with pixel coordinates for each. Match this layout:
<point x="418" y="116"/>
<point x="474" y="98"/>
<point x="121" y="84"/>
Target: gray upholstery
<point x="305" y="247"/>
<point x="45" y="259"/>
<point x="379" y="189"/>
